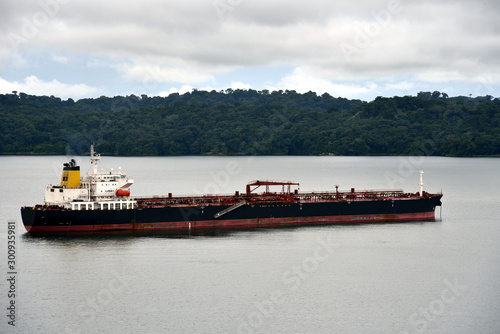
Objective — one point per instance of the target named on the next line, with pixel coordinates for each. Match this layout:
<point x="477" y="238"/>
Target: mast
<point x="94" y="159"/>
<point x="421" y="183"/>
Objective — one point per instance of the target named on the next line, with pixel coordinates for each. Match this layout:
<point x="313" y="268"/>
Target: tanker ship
<point x="101" y="201"/>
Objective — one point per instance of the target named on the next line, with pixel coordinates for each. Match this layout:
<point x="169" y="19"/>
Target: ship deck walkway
<point x="236" y="200"/>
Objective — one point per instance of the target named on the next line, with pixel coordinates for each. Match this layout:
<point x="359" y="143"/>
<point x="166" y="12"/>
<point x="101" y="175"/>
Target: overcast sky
<point x="354" y="49"/>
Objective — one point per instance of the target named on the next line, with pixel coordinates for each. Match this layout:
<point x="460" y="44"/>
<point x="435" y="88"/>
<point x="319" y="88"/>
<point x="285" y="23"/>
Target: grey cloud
<point x="424" y="35"/>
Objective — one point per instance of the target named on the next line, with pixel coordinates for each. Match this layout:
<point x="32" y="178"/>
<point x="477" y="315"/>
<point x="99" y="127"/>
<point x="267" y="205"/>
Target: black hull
<point x="197" y="217"/>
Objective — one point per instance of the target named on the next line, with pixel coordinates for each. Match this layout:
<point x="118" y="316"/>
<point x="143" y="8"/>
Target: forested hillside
<point x="251" y="122"/>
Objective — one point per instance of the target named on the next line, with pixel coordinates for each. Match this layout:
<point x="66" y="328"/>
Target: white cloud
<point x="304" y="79"/>
<point x="154" y="74"/>
<point x="182" y="90"/>
<point x="35" y="86"/>
<point x="60" y="59"/>
<point x="402" y="85"/>
<point x="240" y="85"/>
<point x="440" y="75"/>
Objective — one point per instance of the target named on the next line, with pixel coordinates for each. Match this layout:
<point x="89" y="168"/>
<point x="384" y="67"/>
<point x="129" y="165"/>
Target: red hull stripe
<point x="255" y="222"/>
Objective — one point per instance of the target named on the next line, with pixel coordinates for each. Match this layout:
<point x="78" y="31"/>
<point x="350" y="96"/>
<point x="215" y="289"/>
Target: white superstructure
<point x="96" y="190"/>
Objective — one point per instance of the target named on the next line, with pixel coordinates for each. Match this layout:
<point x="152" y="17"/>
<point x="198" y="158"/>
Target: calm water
<point x="432" y="277"/>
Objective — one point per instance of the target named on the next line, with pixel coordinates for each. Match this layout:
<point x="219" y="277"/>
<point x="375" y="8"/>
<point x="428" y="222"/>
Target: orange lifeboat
<point x="122" y="192"/>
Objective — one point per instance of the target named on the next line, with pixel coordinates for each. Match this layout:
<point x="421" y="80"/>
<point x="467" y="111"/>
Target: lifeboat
<point x="122" y="192"/>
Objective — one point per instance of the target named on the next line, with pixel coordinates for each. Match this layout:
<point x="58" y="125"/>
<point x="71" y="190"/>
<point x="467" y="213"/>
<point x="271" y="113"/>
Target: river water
<point x="412" y="277"/>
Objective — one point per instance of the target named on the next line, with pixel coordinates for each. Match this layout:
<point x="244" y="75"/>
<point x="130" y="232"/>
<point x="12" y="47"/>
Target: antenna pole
<point x="94" y="159"/>
<point x="421" y="183"/>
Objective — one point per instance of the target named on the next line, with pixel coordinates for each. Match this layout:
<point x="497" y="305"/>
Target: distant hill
<point x="246" y="122"/>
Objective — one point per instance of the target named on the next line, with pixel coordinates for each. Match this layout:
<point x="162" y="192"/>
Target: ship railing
<point x="186" y="200"/>
<point x="117" y="205"/>
<point x="355" y="196"/>
<point x="215" y="200"/>
<point x="80" y="205"/>
<point x="105" y="205"/>
<point x="266" y="198"/>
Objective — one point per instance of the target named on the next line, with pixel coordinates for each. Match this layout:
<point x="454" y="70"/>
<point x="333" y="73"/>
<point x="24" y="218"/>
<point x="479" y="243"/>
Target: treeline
<point x="247" y="122"/>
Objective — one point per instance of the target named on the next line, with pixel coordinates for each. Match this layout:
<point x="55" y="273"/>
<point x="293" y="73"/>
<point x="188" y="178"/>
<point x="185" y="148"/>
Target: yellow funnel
<point x="71" y="175"/>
